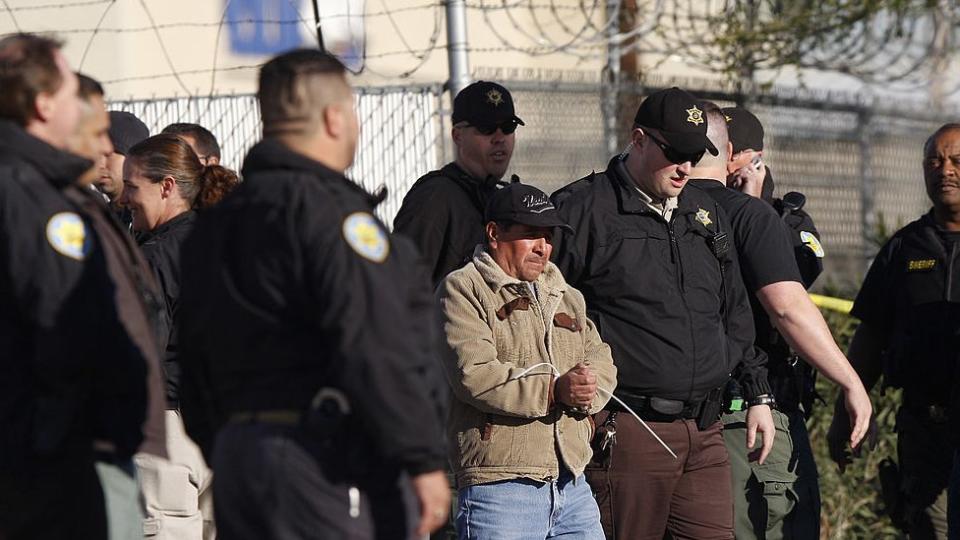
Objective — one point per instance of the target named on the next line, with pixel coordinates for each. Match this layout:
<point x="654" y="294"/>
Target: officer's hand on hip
<point x="433" y="494"/>
<point x="577" y="387"/>
<point x="760" y="420"/>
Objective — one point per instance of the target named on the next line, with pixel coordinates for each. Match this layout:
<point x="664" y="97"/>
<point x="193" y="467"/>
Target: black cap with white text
<point x="524" y="204"/>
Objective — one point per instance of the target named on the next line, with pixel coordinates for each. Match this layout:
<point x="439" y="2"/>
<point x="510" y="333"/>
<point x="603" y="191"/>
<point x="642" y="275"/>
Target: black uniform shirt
<point x="443" y="215"/>
<point x="766" y="256"/>
<point x="655" y="290"/>
<point x="161" y="248"/>
<point x="763" y="242"/>
<point x="59" y="327"/>
<point x="289" y="285"/>
<point x="807" y="250"/>
<point x="911" y="297"/>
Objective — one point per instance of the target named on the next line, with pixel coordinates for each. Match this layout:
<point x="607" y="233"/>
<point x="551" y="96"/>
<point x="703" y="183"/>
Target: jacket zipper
<point x="678" y="262"/>
<point x="953" y="256"/>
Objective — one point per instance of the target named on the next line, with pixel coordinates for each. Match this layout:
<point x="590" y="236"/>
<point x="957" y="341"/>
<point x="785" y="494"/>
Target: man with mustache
<point x="909" y="311"/>
<point x="443" y="211"/>
<point x="525" y="365"/>
<point x="661" y="279"/>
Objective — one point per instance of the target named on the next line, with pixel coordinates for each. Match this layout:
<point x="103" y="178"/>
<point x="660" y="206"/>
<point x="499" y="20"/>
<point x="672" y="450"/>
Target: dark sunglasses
<point x="507" y="127"/>
<point x="675" y="156"/>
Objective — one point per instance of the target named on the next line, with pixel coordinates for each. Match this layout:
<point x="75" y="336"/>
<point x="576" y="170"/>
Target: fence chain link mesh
<point x="856" y="165"/>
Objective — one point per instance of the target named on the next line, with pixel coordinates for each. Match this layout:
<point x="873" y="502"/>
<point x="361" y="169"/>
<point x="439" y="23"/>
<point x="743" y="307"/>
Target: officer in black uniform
<point x="126" y="130"/>
<point x="654" y="261"/>
<point x="301" y="380"/>
<point x="750" y="174"/>
<point x="953" y="502"/>
<point x="780" y="498"/>
<point x="443" y="211"/>
<point x="71" y="373"/>
<point x="909" y="311"/>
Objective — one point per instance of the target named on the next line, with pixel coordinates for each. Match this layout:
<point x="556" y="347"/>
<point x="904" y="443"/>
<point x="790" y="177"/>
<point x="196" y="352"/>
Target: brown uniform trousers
<point x="643" y="492"/>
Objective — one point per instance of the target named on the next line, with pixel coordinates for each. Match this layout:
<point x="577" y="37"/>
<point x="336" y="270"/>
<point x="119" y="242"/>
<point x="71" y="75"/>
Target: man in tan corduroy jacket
<point x="527" y="368"/>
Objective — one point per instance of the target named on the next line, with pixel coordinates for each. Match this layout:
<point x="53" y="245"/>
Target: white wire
<point x="556" y="373"/>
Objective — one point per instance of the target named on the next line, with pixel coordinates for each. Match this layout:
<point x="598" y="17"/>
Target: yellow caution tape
<point x="835" y="304"/>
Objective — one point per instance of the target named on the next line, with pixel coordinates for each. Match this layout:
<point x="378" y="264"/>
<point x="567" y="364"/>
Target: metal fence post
<point x="611" y="76"/>
<point x="457" y="46"/>
<point x="868" y="216"/>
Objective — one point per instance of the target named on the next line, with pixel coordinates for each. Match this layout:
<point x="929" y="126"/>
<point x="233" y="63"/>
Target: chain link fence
<point x="858" y="164"/>
<point x="399" y="139"/>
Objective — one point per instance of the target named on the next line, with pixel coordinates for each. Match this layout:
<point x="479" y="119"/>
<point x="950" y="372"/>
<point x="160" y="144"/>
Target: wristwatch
<point x="763" y="399"/>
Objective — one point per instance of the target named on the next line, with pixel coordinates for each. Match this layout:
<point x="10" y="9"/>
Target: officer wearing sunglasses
<point x="662" y="284"/>
<point x="443" y="211"/>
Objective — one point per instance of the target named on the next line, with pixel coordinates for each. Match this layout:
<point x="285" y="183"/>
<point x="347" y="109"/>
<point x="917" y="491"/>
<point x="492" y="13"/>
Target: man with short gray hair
<point x="909" y="333"/>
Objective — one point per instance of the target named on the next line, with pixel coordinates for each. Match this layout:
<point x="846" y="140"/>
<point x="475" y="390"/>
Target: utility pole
<point x="316" y="19"/>
<point x="610" y="89"/>
<point x="868" y="217"/>
<point x="457" y="46"/>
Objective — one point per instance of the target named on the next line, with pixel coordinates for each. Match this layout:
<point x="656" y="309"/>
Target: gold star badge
<point x="695" y="116"/>
<point x="494" y="97"/>
<point x="703" y="217"/>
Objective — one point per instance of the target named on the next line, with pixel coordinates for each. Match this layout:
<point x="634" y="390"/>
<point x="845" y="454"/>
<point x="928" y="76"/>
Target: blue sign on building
<point x="263" y="27"/>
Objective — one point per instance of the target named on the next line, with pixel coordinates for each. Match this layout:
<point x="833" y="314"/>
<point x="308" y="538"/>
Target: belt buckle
<point x="937" y="413"/>
<point x="667" y="407"/>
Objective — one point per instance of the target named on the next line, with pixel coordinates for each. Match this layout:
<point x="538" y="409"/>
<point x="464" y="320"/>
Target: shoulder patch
<point x="919" y="265"/>
<point x="366" y="237"/>
<point x="810" y="240"/>
<point x="67" y="235"/>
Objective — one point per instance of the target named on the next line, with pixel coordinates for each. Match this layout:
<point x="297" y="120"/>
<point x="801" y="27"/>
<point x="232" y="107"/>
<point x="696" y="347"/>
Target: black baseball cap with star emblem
<point x="484" y="103"/>
<point x="674" y="113"/>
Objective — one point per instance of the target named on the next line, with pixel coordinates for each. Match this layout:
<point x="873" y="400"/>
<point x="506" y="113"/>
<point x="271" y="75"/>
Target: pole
<point x="457" y="46"/>
<point x="316" y="19"/>
<point x="868" y="217"/>
<point x="611" y="77"/>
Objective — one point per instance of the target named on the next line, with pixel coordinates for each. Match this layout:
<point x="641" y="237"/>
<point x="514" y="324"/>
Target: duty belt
<point x="937" y="414"/>
<point x="281" y="417"/>
<point x="656" y="409"/>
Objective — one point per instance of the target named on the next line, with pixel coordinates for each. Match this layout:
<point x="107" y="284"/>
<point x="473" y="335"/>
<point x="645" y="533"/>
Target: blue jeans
<point x="524" y="509"/>
<point x="953" y="502"/>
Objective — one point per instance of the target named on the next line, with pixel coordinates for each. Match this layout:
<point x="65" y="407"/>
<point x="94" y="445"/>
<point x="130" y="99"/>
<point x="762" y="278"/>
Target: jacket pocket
<point x="566" y="322"/>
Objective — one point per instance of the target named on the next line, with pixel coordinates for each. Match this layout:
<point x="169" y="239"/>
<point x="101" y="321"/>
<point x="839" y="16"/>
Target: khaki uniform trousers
<point x="176" y="492"/>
